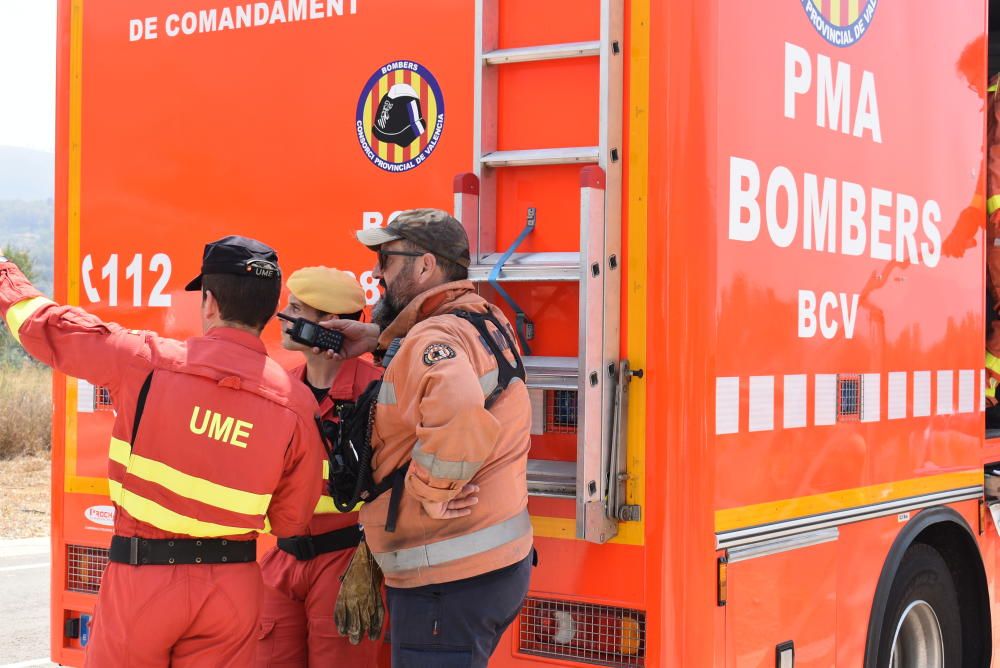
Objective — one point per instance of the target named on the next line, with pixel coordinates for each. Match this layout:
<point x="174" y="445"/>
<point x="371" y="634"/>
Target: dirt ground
<point x="24" y="500"/>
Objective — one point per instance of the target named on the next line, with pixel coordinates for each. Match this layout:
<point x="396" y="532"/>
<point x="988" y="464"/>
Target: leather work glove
<point x="359" y="608"/>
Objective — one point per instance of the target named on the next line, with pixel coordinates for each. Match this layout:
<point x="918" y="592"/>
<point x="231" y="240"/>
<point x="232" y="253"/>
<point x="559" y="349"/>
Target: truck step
<point x="529" y="54"/>
<point x="569" y="155"/>
<point x="524" y="267"/>
<point x="552" y="478"/>
<point x="552" y="373"/>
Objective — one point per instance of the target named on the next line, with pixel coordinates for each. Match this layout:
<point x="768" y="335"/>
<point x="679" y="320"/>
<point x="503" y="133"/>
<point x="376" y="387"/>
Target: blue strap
<point x="525" y="328"/>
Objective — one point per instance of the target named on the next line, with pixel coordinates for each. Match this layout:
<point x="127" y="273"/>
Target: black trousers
<point x="456" y="624"/>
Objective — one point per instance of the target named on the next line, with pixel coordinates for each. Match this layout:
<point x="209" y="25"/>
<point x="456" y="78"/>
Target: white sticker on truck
<point x="103" y="515"/>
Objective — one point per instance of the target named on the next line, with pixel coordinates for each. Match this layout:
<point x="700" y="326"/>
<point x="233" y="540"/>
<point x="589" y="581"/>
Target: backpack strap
<point x="396" y="480"/>
<point x="140" y="406"/>
<point x="506" y="372"/>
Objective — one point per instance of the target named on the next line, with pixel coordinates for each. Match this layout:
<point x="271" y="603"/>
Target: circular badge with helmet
<point x="400" y="116"/>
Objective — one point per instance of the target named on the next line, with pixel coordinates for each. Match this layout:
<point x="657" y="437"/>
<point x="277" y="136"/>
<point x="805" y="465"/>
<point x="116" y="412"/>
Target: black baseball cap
<point x="240" y="256"/>
<point x="433" y="230"/>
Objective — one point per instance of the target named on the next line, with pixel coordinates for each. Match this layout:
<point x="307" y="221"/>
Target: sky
<point x="28" y="73"/>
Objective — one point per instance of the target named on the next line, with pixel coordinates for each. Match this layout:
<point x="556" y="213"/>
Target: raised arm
<point x="66" y="338"/>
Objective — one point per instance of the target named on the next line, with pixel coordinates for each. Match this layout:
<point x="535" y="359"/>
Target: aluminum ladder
<point x="594" y="480"/>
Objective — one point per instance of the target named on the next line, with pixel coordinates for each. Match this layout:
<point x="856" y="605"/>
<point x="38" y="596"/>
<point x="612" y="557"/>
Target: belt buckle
<point x="133" y="551"/>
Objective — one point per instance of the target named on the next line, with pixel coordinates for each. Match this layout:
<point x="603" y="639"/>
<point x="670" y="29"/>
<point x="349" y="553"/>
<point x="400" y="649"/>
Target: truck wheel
<point x="921" y="627"/>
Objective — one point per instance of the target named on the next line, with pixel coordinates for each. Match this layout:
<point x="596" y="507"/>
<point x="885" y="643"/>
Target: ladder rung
<point x="527" y="54"/>
<point x="542" y="156"/>
<point x="552" y="373"/>
<point x="526" y="267"/>
<point x="551" y="478"/>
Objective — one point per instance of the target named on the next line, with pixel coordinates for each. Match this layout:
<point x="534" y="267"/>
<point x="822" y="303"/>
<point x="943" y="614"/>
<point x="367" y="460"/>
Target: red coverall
<point x="227" y="443"/>
<point x="297" y="627"/>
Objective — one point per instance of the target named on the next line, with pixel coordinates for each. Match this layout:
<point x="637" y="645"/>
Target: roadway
<point x="24" y="603"/>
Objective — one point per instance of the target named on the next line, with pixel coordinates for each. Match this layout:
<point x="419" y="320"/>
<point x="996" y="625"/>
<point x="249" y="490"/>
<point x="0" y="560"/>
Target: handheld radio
<point x="310" y="334"/>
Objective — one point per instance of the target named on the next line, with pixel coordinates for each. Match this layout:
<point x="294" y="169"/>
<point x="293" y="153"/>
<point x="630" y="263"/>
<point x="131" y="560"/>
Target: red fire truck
<point x="742" y="242"/>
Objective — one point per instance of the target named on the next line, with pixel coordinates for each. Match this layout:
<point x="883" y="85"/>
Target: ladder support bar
<point x="529" y="54"/>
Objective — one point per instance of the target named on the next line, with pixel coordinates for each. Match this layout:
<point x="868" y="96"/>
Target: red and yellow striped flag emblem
<point x="839" y="12"/>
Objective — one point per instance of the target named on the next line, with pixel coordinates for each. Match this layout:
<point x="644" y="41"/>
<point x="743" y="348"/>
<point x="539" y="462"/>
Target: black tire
<point x="923" y="575"/>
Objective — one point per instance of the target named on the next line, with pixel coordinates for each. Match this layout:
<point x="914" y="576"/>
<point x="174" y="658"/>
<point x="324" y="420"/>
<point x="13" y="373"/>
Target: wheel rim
<point x="918" y="642"/>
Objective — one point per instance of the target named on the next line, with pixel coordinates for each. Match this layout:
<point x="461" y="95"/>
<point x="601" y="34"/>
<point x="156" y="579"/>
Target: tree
<point x="11" y="352"/>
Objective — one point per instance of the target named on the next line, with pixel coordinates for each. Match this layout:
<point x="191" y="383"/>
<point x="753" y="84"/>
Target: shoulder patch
<point x="437" y="352"/>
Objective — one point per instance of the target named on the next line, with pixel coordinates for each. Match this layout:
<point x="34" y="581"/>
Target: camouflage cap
<point x="433" y="230"/>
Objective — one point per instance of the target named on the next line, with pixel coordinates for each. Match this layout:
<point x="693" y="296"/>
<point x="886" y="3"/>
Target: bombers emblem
<point x="437" y="352"/>
<point x="840" y="23"/>
<point x="400" y="116"/>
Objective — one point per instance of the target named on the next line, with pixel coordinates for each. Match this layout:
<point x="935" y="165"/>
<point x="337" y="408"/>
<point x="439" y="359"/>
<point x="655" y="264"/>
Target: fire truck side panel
<point x="791" y="596"/>
<point x="847" y="372"/>
<point x="176" y="134"/>
<point x="861" y="550"/>
<point x="886" y="388"/>
<point x="682" y="335"/>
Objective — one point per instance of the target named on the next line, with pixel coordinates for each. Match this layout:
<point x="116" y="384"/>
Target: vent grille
<point x="560" y="411"/>
<point x="84" y="568"/>
<point x="102" y="398"/>
<point x="585" y="632"/>
<point x="849" y="397"/>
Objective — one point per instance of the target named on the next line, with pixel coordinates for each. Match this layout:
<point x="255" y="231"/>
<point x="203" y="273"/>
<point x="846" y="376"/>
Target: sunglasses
<point x="383" y="255"/>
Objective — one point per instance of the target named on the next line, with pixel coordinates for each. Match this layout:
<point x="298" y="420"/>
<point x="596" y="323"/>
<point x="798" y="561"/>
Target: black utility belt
<point x="178" y="551"/>
<point x="305" y="548"/>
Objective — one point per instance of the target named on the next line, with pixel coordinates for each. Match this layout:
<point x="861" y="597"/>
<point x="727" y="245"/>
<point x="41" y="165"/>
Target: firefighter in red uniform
<point x="212" y="443"/>
<point x="302" y="574"/>
<point x="992" y="250"/>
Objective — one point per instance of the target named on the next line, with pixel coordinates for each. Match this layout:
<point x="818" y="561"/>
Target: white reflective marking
<point x="795" y="401"/>
<point x="897" y="395"/>
<point x="982" y="387"/>
<point x="761" y="403"/>
<point x="966" y="390"/>
<point x="84" y="396"/>
<point x="459" y="547"/>
<point x="443" y="468"/>
<point x="826" y="399"/>
<point x="945" y="391"/>
<point x="488" y="381"/>
<point x="537" y="399"/>
<point x="727" y="405"/>
<point x="871" y="397"/>
<point x="921" y="393"/>
<point x="386" y="393"/>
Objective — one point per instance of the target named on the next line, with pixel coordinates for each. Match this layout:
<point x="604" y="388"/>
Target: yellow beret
<point x="328" y="290"/>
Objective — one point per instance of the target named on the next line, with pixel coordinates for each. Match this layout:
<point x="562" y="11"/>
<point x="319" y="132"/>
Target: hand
<point x="459" y="506"/>
<point x="359" y="338"/>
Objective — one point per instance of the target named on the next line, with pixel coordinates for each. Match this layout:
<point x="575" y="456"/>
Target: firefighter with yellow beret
<point x="302" y="574"/>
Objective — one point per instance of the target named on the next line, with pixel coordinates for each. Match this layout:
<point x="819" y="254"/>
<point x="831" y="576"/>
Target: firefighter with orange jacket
<point x="302" y="574"/>
<point x="212" y="443"/>
<point x="452" y="416"/>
